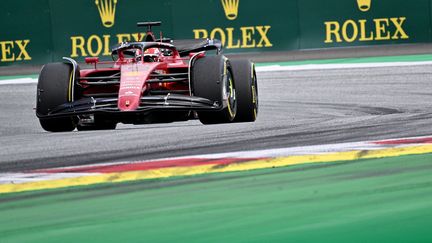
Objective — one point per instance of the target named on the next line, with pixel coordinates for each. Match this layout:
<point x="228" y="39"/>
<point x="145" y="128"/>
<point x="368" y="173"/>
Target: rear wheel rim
<point x="231" y="96"/>
<point x="254" y="94"/>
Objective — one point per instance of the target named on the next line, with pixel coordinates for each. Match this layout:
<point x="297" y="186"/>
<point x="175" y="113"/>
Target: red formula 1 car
<point x="155" y="81"/>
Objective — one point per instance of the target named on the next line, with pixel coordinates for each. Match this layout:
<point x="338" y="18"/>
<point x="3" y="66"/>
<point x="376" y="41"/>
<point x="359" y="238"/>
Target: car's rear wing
<point x="184" y="47"/>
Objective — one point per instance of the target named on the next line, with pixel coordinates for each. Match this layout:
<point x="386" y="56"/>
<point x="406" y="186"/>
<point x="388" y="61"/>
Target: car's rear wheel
<point x="54" y="88"/>
<point x="247" y="90"/>
<point x="212" y="79"/>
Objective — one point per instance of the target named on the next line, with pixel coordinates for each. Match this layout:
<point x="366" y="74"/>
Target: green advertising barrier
<point x="40" y="31"/>
<point x="25" y="32"/>
<point x="90" y="28"/>
<point x="240" y="25"/>
<point x="336" y="23"/>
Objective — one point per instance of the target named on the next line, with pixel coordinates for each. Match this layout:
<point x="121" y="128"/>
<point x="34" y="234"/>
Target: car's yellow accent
<point x="231" y="113"/>
<point x="70" y="98"/>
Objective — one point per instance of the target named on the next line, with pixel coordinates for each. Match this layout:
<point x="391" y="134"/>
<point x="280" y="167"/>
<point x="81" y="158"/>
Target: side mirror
<point x="91" y="60"/>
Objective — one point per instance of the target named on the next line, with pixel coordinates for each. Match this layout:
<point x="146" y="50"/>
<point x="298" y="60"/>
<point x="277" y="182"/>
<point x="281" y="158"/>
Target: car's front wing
<point x="174" y="102"/>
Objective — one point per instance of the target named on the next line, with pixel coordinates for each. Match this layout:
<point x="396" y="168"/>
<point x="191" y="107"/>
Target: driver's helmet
<point x="151" y="54"/>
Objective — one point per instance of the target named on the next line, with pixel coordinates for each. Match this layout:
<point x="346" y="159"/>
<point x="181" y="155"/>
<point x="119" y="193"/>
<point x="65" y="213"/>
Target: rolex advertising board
<point x="40" y="31"/>
<point x="24" y="39"/>
<point x="335" y="23"/>
<point x="241" y="25"/>
<point x="92" y="27"/>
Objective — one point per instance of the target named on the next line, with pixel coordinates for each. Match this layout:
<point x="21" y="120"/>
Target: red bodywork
<point x="147" y="82"/>
<point x="134" y="74"/>
<point x="133" y="85"/>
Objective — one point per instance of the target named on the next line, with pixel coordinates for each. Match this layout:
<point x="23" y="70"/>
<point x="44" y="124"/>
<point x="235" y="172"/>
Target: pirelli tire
<point x="54" y="88"/>
<point x="247" y="90"/>
<point x="212" y="79"/>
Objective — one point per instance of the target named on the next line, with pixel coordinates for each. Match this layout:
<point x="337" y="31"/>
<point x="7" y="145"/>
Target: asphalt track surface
<point x="297" y="108"/>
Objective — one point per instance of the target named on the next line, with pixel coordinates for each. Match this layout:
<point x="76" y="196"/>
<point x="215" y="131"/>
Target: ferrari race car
<point x="154" y="81"/>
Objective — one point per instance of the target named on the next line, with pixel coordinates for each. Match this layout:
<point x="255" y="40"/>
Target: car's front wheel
<point x="54" y="88"/>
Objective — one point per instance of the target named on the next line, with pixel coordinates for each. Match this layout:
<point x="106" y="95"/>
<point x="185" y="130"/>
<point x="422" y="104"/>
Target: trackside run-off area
<point x="296" y="198"/>
<point x="370" y="200"/>
<point x="334" y="160"/>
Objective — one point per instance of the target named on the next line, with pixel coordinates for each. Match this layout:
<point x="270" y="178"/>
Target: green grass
<point x="380" y="200"/>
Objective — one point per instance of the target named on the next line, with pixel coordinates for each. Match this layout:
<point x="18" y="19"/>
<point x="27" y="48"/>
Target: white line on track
<point x="273" y="68"/>
<point x="18" y="81"/>
<point x="278" y="152"/>
<point x="18" y="178"/>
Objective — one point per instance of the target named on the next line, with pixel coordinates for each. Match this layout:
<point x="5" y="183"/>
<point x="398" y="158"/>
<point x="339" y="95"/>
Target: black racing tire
<point x="52" y="91"/>
<point x="212" y="79"/>
<point x="247" y="90"/>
